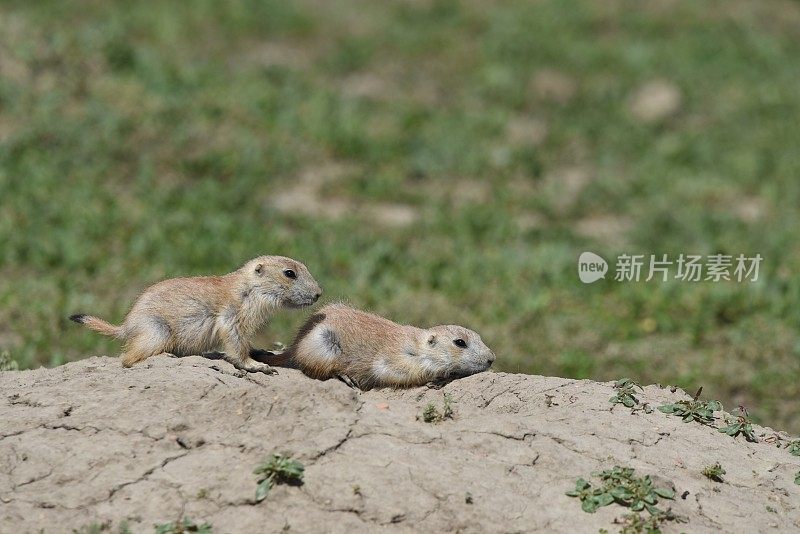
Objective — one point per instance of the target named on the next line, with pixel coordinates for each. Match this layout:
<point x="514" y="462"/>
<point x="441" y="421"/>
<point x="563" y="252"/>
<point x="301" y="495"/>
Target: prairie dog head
<point x="283" y="281"/>
<point x="461" y="347"/>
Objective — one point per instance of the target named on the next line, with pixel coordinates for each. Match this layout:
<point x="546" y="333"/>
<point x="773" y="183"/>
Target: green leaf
<point x="667" y="408"/>
<point x="621" y="493"/>
<point x="688" y="418"/>
<point x="665" y="492"/>
<point x="797" y="478"/>
<point x="589" y="506"/>
<point x="263" y="488"/>
<point x="628" y="402"/>
<point x="638" y="506"/>
<point x="604" y="499"/>
<point x="653" y="511"/>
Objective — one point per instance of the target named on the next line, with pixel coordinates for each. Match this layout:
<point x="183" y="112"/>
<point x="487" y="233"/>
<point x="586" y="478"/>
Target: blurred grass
<point x="434" y="161"/>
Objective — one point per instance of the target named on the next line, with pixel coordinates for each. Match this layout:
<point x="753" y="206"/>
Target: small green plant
<point x="7" y="363"/>
<point x="693" y="410"/>
<point x="635" y="523"/>
<point x="183" y="526"/>
<point x="740" y="424"/>
<point x="279" y="469"/>
<point x="638" y="493"/>
<point x="714" y="472"/>
<point x="591" y="497"/>
<point x="431" y="414"/>
<point x="621" y="486"/>
<point x="794" y="447"/>
<point x="625" y="394"/>
<point x="797" y="478"/>
<point x="447" y="410"/>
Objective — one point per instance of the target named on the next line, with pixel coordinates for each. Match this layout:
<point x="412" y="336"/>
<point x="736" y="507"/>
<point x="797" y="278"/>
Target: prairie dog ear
<point x="432" y="340"/>
<point x="260" y="268"/>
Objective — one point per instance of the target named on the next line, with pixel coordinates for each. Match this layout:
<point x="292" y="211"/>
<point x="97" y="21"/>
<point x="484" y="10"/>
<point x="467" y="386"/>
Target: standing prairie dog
<point x="369" y="351"/>
<point x="185" y="316"/>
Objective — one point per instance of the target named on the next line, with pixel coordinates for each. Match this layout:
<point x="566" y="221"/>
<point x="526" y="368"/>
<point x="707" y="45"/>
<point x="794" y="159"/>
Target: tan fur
<point x="184" y="316"/>
<point x="375" y="352"/>
<point x="99" y="325"/>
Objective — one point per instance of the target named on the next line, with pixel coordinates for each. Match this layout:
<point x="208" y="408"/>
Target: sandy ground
<point x="93" y="443"/>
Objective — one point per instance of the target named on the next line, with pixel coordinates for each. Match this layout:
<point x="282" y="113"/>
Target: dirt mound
<point x="93" y="444"/>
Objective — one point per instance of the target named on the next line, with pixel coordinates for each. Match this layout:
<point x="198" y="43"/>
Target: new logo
<point x="591" y="267"/>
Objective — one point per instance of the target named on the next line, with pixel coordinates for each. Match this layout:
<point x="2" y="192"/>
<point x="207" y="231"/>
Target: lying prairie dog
<point x="185" y="316"/>
<point x="368" y="351"/>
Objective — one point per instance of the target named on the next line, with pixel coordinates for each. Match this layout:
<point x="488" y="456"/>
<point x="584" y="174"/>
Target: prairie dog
<point x="185" y="316"/>
<point x="370" y="351"/>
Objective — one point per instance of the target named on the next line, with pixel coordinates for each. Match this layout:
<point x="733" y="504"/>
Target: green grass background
<point x="459" y="155"/>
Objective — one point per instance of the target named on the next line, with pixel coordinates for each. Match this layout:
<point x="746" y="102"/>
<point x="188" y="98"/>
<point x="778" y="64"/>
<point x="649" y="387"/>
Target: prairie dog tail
<point x="282" y="359"/>
<point x="97" y="324"/>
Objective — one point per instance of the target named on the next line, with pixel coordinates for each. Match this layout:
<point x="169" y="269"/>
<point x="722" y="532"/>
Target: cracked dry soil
<point x="93" y="443"/>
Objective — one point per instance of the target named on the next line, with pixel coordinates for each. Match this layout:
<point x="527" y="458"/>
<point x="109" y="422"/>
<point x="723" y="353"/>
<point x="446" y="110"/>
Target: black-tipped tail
<point x="97" y="324"/>
<point x="79" y="318"/>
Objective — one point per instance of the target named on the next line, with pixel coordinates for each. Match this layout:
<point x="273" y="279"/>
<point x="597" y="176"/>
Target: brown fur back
<point x="193" y="315"/>
<point x="373" y="351"/>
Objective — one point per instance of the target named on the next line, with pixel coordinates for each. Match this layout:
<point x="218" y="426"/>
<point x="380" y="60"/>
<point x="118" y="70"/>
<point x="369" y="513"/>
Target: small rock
<point x="749" y="210"/>
<point x="655" y="101"/>
<point x="394" y="215"/>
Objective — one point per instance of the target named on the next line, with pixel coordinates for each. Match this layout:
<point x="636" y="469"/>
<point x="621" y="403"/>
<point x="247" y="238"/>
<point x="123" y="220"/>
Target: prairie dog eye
<point x="290" y="274"/>
<point x="460" y="343"/>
